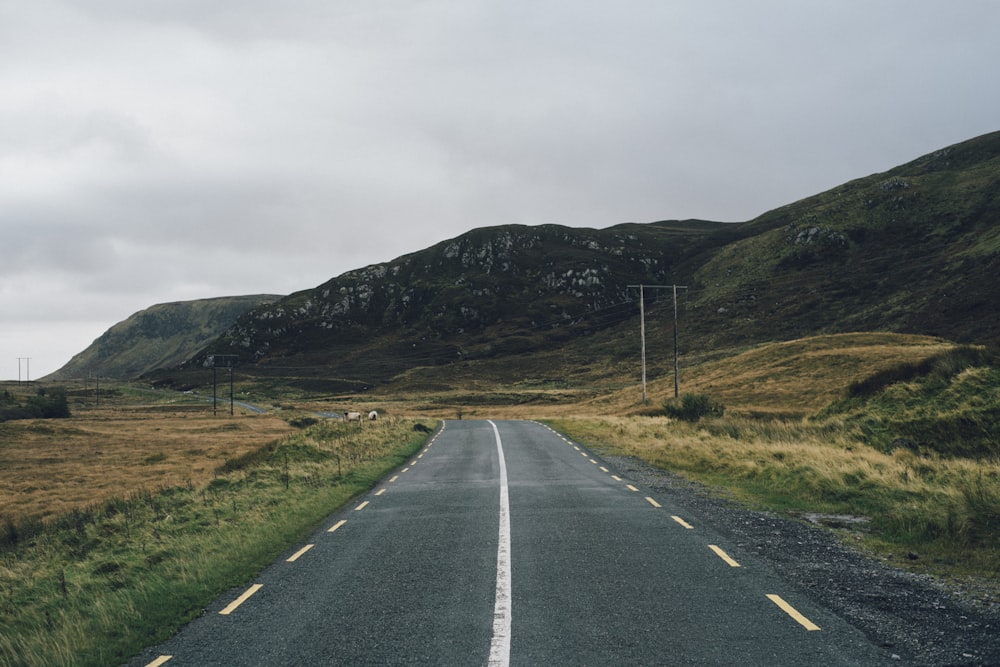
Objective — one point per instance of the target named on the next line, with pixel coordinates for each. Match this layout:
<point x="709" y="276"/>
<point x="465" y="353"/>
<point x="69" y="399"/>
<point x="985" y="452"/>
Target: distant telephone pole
<point x="216" y="361"/>
<point x="28" y="372"/>
<point x="642" y="333"/>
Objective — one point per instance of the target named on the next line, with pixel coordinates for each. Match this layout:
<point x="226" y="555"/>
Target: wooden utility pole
<point x="642" y="336"/>
<point x="642" y="333"/>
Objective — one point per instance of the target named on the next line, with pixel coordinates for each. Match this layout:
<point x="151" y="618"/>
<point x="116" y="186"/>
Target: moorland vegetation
<point x="837" y="358"/>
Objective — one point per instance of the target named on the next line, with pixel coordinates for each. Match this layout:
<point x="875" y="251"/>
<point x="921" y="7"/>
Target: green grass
<point x="99" y="585"/>
<point x="947" y="404"/>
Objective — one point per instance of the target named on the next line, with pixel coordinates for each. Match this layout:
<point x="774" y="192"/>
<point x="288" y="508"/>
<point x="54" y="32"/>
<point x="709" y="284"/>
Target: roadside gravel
<point x="915" y="618"/>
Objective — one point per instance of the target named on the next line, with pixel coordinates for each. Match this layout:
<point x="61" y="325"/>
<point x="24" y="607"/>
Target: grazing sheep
<point x="373" y="415"/>
<point x="352" y="416"/>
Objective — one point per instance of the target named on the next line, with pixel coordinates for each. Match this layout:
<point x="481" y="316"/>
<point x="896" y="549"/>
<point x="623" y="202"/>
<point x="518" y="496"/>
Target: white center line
<point x="500" y="646"/>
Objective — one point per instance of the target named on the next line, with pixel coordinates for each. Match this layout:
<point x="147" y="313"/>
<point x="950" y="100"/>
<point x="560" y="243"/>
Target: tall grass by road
<point x="944" y="510"/>
<point x="97" y="584"/>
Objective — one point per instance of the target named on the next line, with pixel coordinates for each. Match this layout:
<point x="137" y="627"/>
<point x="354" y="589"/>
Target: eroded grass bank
<point x="98" y="584"/>
<point x="945" y="511"/>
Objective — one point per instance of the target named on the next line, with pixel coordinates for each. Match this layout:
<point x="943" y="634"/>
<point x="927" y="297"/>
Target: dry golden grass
<point x="51" y="467"/>
<point x="791" y="379"/>
<point x="945" y="506"/>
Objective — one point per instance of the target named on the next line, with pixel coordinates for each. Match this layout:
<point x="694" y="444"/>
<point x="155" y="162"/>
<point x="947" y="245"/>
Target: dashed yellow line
<point x="682" y="522"/>
<point x="241" y="599"/>
<point x="361" y="506"/>
<point x="723" y="555"/>
<point x="294" y="557"/>
<point x="337" y="525"/>
<point x="603" y="469"/>
<point x="652" y="502"/>
<point x="791" y="611"/>
<point x="394" y="478"/>
<point x="380" y="492"/>
<point x="630" y="487"/>
<point x="616" y="478"/>
<point x="159" y="661"/>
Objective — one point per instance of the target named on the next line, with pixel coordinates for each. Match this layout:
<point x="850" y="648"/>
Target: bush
<point x="48" y="404"/>
<point x="693" y="407"/>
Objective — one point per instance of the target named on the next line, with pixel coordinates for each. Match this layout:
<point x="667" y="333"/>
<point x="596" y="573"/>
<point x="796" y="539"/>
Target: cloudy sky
<point x="166" y="150"/>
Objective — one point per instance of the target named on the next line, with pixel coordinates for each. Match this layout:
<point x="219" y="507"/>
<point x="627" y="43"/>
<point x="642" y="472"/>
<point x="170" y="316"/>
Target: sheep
<point x="352" y="416"/>
<point x="373" y="415"/>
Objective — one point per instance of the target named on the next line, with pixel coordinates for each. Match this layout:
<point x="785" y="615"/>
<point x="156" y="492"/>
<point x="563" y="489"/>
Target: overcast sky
<point x="166" y="150"/>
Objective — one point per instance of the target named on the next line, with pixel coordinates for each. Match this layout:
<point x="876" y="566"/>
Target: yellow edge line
<point x="682" y="522"/>
<point x="294" y="557"/>
<point x="791" y="611"/>
<point x="723" y="555"/>
<point x="241" y="599"/>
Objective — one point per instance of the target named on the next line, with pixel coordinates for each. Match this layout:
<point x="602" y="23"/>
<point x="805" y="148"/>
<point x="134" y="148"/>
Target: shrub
<point x="693" y="407"/>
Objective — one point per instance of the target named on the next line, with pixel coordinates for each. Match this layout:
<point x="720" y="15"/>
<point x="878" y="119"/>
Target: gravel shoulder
<point x="915" y="618"/>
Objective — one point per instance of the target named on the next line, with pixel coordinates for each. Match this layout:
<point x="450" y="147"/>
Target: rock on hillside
<point x="511" y="286"/>
<point x="912" y="250"/>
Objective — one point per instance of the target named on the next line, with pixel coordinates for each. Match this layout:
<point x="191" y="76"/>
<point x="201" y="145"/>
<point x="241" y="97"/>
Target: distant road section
<point x="595" y="570"/>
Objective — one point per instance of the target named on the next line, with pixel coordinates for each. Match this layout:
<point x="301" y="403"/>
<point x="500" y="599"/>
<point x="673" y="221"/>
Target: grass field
<point x="121" y="523"/>
<point x="151" y="497"/>
<point x="51" y="467"/>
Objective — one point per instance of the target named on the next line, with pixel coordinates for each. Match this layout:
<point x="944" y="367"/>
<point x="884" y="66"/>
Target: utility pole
<point x="642" y="330"/>
<point x="28" y="364"/>
<point x="677" y="367"/>
<point x="216" y="361"/>
<point x="642" y="337"/>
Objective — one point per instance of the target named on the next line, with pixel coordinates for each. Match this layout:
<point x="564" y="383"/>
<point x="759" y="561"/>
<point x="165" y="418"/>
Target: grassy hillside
<point x="162" y="335"/>
<point x="912" y="250"/>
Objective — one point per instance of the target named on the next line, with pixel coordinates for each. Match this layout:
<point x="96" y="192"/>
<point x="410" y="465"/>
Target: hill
<point x="162" y="335"/>
<point x="913" y="250"/>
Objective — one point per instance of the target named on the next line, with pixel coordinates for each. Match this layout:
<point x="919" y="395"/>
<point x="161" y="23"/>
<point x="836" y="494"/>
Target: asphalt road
<point x="506" y="544"/>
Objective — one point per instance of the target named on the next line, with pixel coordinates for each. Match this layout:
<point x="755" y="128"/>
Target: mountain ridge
<point x="164" y="334"/>
<point x="913" y="249"/>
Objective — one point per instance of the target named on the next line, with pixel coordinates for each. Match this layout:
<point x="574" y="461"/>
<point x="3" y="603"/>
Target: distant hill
<point x="912" y="250"/>
<point x="160" y="336"/>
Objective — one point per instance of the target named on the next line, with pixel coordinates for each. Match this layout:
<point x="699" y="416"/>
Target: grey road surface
<point x="504" y="543"/>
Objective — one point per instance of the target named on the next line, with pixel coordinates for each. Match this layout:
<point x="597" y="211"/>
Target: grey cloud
<point x="170" y="150"/>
